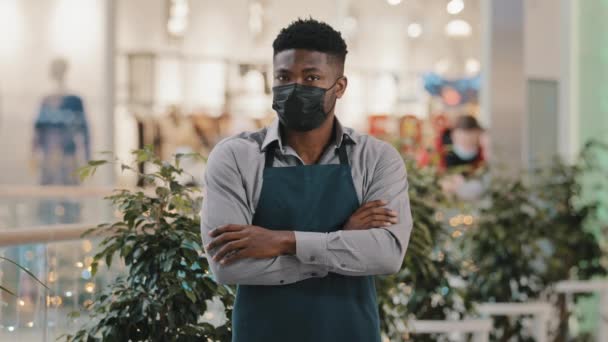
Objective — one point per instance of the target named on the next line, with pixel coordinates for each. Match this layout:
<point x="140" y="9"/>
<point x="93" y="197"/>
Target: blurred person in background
<point x="463" y="159"/>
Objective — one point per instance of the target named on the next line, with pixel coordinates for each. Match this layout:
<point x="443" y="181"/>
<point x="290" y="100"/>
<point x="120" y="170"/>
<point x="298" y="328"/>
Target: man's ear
<point x="341" y="85"/>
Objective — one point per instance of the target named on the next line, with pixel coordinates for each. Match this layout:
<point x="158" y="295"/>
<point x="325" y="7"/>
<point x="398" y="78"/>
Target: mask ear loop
<point x="336" y="100"/>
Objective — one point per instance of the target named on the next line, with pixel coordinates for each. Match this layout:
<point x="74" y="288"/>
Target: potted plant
<point x="167" y="286"/>
<point x="423" y="288"/>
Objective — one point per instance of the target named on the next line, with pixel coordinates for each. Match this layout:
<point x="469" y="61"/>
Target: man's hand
<point x="235" y="242"/>
<point x="371" y="215"/>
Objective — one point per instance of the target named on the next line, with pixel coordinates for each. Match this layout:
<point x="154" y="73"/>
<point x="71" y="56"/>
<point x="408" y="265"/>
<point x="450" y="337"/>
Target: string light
<point x="89" y="287"/>
<point x="68" y="294"/>
<point x="55" y="301"/>
<point x="30" y="324"/>
<point x="393" y="2"/>
<point x="87" y="246"/>
<point x="79" y="264"/>
<point x="456" y="221"/>
<point x="468" y="220"/>
<point x="52" y="277"/>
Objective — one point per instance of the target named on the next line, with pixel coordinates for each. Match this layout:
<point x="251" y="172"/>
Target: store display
<point x="61" y="145"/>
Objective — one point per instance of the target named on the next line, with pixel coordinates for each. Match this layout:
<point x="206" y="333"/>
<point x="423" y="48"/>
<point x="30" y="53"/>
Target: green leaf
<point x="74" y="314"/>
<point x="83" y="172"/>
<point x="94" y="267"/>
<point x="162" y="192"/>
<point x="97" y="162"/>
<point x="188" y="291"/>
<point x="191" y="245"/>
<point x="109" y="259"/>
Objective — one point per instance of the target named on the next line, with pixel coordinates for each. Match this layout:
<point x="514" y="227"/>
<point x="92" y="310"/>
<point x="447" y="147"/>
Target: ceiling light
<point x="472" y="66"/>
<point x="455" y="6"/>
<point x="458" y="28"/>
<point x="414" y="30"/>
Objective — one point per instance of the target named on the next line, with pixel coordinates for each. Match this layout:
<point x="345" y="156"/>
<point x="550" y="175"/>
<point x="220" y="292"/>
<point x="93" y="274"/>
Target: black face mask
<point x="300" y="107"/>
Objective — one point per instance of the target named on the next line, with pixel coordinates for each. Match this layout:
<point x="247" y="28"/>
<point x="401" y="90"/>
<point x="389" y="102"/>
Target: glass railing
<point x="42" y="232"/>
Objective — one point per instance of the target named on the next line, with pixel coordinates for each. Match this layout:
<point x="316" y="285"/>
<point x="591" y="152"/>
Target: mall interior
<point x="508" y="244"/>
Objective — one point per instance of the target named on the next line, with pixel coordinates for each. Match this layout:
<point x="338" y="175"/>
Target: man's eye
<point x="281" y="78"/>
<point x="312" y="78"/>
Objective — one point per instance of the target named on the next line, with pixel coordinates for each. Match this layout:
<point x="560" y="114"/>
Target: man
<point x="282" y="214"/>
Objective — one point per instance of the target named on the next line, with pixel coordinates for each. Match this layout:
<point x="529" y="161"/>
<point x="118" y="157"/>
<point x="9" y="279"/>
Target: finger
<point x="224" y="238"/>
<point x="380" y="224"/>
<point x="390" y="212"/>
<point x="225" y="229"/>
<point x="372" y="204"/>
<point x="378" y="211"/>
<point x="228" y="248"/>
<point x="380" y="218"/>
<point x="235" y="256"/>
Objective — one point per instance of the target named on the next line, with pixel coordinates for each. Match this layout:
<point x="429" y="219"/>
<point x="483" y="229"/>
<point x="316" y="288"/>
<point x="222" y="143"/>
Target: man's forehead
<point x="299" y="56"/>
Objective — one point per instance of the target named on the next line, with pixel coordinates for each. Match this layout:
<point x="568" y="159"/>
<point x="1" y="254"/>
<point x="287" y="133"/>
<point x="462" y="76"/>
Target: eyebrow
<point x="305" y="70"/>
<point x="311" y="69"/>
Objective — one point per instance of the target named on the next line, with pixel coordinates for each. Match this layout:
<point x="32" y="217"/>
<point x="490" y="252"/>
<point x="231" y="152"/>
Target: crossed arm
<point x="373" y="241"/>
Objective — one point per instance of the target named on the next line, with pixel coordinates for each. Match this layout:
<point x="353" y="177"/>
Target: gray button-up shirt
<point x="231" y="190"/>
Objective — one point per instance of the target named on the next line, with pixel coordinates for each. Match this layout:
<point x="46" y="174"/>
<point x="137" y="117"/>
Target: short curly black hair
<point x="311" y="34"/>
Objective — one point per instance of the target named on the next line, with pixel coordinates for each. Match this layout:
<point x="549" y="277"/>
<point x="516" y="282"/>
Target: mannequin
<point x="61" y="144"/>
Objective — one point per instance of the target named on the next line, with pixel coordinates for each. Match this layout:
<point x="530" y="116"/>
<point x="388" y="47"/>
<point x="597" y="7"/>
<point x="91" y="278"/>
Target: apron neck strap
<point x="270" y="155"/>
<point x="340" y="151"/>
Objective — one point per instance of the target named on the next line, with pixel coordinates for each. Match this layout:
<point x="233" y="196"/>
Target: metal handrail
<point x="53" y="191"/>
<point x="570" y="287"/>
<point x="480" y="328"/>
<point x="44" y="234"/>
<point x="541" y="311"/>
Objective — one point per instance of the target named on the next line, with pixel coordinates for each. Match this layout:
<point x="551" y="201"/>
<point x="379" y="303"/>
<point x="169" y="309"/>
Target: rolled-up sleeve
<point x="367" y="252"/>
<point x="224" y="202"/>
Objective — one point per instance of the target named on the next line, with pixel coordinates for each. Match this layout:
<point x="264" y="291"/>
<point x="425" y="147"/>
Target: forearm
<point x="355" y="253"/>
<point x="278" y="266"/>
<point x="281" y="270"/>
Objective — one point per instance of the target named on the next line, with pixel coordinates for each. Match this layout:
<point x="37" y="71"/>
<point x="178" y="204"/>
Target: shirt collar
<point x="273" y="134"/>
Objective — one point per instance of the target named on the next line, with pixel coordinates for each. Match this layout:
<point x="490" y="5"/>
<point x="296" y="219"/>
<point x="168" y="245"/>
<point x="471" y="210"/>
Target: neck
<point x="310" y="145"/>
<point x="61" y="88"/>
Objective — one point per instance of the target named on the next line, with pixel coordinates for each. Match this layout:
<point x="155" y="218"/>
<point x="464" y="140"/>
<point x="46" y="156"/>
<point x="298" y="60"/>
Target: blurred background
<point x="516" y="83"/>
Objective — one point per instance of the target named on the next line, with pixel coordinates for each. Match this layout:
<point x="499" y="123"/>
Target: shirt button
<point x="282" y="281"/>
<point x="342" y="265"/>
<point x="313" y="274"/>
<point x="312" y="258"/>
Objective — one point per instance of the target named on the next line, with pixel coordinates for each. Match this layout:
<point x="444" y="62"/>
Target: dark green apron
<point x="334" y="308"/>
